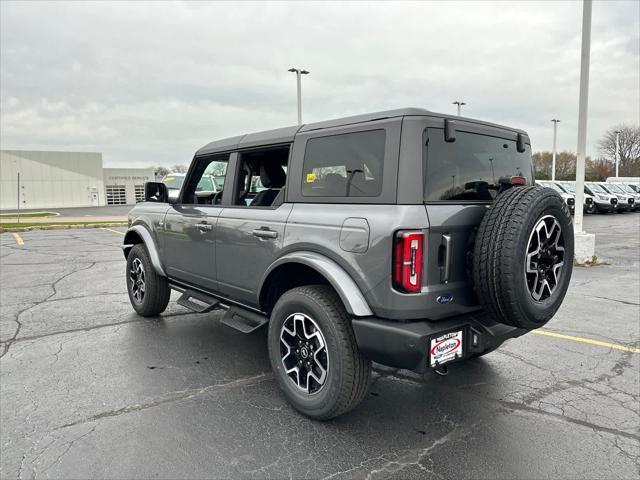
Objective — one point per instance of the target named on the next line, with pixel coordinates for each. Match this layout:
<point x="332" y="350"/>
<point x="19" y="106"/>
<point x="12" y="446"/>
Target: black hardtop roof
<point x="286" y="134"/>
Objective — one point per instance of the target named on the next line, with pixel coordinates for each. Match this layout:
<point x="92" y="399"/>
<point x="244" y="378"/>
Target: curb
<point x="62" y="227"/>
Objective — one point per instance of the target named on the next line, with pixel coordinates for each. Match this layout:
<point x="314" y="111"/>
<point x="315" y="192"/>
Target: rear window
<point x="347" y="165"/>
<point x="470" y="168"/>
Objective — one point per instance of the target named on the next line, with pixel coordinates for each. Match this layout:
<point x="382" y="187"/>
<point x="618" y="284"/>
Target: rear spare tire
<point x="523" y="256"/>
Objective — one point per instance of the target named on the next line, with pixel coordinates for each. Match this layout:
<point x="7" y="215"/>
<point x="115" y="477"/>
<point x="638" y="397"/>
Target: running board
<point x="198" y="302"/>
<point x="243" y="320"/>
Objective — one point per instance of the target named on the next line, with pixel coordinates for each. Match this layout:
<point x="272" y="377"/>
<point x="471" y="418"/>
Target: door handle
<point x="264" y="233"/>
<point x="204" y="227"/>
<point x="446" y="240"/>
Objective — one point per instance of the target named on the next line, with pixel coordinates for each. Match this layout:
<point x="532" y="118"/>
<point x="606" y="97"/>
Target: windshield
<point x="613" y="188"/>
<point x="552" y="186"/>
<point x="471" y="167"/>
<point x="597" y="188"/>
<point x="206" y="184"/>
<point x="173" y="182"/>
<point x="569" y="187"/>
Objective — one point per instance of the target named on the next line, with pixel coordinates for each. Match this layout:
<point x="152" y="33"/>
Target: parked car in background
<point x="628" y="189"/>
<point x="589" y="205"/>
<point x="569" y="198"/>
<point x="174" y="182"/>
<point x="626" y="202"/>
<point x="605" y="202"/>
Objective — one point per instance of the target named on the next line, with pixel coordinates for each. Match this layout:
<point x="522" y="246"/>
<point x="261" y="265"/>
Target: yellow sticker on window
<point x="311" y="177"/>
<point x="168" y="179"/>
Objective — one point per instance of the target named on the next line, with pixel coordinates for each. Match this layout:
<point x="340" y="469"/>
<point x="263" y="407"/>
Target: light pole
<point x="459" y="104"/>
<point x="617" y="154"/>
<point x="299" y="72"/>
<point x="585" y="244"/>
<point x="553" y="161"/>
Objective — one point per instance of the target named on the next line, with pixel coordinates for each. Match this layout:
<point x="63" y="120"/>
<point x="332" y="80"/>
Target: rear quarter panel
<point x="318" y="228"/>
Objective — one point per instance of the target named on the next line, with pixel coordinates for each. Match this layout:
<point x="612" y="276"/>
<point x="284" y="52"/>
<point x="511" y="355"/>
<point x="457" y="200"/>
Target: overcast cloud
<point x="150" y="83"/>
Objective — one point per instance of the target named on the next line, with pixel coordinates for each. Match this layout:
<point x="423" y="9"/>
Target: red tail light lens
<point x="407" y="261"/>
<point x="518" y="181"/>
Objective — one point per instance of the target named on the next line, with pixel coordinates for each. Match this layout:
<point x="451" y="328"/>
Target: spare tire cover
<point x="523" y="256"/>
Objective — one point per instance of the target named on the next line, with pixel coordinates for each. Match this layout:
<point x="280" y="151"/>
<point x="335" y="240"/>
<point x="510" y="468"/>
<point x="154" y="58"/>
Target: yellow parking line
<point x="18" y="238"/>
<point x="590" y="341"/>
<point x="114" y="231"/>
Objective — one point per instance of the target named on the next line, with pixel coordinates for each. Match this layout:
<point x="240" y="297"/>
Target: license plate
<point x="445" y="348"/>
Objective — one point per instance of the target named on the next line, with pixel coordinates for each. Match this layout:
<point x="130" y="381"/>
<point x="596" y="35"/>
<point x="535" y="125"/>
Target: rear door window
<point x="470" y="168"/>
<point x="346" y="165"/>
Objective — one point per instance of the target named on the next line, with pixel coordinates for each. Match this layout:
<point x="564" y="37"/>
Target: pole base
<point x="585" y="247"/>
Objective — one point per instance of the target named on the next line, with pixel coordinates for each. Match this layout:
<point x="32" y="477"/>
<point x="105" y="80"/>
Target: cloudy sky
<point x="149" y="83"/>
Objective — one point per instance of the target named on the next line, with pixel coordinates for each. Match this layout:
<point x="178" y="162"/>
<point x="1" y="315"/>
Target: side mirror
<point x="156" y="192"/>
<point x="520" y="143"/>
<point x="449" y="131"/>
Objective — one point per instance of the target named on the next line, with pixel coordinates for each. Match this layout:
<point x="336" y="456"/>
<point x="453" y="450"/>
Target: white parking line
<point x="18" y="238"/>
<point x="114" y="231"/>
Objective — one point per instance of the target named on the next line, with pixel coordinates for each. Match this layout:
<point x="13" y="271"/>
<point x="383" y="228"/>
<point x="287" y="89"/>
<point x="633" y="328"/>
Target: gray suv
<point x="408" y="238"/>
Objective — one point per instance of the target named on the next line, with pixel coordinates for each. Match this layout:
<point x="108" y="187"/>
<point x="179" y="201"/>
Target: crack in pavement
<point x="610" y="299"/>
<point x="174" y="397"/>
<point x="103" y="325"/>
<point x="525" y="407"/>
<point x="53" y="285"/>
<point x="598" y="428"/>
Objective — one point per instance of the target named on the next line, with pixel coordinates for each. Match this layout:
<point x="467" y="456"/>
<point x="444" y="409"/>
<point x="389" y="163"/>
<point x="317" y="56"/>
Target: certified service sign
<point x="445" y="348"/>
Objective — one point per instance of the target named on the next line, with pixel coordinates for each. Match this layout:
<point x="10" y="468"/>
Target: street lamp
<point x="617" y="154"/>
<point x="585" y="243"/>
<point x="459" y="104"/>
<point x="299" y="72"/>
<point x="553" y="161"/>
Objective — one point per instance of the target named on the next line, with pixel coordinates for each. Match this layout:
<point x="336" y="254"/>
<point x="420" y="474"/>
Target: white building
<point x="125" y="186"/>
<point x="66" y="179"/>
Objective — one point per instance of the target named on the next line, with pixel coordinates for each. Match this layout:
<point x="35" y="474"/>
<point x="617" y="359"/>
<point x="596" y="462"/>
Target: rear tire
<point x="318" y="316"/>
<point x="523" y="257"/>
<point x="148" y="292"/>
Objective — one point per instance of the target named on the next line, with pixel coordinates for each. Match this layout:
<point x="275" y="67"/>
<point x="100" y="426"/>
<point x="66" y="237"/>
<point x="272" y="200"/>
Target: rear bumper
<point x="406" y="344"/>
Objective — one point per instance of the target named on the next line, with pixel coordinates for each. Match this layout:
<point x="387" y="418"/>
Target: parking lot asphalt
<point x="88" y="389"/>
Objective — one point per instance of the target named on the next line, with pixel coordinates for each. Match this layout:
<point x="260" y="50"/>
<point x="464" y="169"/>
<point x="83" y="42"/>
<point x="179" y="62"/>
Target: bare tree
<point x="179" y="169"/>
<point x="542" y="165"/>
<point x="161" y="171"/>
<point x="599" y="169"/>
<point x="565" y="165"/>
<point x="629" y="152"/>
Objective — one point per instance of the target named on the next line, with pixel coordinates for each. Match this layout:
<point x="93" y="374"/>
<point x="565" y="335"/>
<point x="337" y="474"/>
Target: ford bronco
<point x="408" y="238"/>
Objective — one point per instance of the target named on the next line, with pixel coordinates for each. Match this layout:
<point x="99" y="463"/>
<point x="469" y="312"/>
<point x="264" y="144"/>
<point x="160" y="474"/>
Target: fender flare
<point x="351" y="296"/>
<point x="148" y="241"/>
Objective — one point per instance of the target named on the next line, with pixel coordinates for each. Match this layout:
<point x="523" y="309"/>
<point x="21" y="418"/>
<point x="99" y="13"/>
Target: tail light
<point x="407" y="261"/>
<point x="518" y="181"/>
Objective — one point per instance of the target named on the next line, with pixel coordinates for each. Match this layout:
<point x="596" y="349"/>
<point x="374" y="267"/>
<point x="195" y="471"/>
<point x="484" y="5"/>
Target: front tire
<point x="148" y="292"/>
<point x="314" y="355"/>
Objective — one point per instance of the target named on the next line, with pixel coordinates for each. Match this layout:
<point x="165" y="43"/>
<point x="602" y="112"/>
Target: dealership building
<point x="47" y="179"/>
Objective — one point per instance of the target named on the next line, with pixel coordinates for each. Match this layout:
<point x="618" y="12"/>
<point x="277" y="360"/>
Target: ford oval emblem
<point x="444" y="298"/>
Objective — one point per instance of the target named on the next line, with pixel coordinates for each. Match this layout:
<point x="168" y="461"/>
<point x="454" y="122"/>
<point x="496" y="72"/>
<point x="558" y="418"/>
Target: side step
<point x="198" y="302"/>
<point x="243" y="320"/>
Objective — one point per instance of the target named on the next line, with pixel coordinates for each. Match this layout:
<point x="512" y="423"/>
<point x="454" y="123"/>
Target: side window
<point x="262" y="175"/>
<point x="206" y="182"/>
<point x="346" y="165"/>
